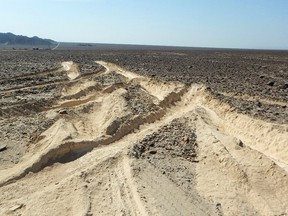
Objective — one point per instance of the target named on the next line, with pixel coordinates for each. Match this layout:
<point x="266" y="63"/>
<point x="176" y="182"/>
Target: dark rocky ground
<point x="170" y="149"/>
<point x="254" y="82"/>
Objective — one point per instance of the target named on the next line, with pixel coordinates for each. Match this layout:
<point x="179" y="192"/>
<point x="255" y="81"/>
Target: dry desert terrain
<point x="144" y="132"/>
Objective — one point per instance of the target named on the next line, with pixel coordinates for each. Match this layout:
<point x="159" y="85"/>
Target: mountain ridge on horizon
<point x="12" y="39"/>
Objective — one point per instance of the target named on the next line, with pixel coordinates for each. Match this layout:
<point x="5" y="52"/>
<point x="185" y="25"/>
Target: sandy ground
<point x="124" y="144"/>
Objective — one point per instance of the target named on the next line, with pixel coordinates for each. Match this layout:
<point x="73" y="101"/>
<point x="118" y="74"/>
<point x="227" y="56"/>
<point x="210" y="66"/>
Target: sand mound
<point x="72" y="70"/>
<point x="124" y="144"/>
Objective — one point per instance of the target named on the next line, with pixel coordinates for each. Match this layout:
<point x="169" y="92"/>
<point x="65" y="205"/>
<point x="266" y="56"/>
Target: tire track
<point x="73" y="142"/>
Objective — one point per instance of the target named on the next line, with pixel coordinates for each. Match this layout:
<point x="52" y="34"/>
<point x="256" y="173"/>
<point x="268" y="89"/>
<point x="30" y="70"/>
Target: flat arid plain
<point x="144" y="132"/>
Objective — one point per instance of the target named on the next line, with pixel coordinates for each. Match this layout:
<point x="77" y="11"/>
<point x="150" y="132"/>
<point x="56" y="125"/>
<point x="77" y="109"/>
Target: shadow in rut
<point x="66" y="158"/>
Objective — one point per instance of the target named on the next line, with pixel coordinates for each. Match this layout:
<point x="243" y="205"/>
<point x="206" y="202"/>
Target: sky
<point x="256" y="24"/>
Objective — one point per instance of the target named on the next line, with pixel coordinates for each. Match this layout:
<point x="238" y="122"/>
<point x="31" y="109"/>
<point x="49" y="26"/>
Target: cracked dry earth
<point x="117" y="143"/>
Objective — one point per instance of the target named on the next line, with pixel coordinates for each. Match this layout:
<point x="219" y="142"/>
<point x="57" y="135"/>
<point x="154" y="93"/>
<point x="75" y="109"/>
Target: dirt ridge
<point x="148" y="147"/>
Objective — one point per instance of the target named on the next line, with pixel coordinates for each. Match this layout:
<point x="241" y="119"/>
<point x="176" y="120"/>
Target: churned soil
<point x="144" y="132"/>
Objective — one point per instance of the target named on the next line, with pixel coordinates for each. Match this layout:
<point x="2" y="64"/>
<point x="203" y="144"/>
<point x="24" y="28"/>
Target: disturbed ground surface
<point x="151" y="133"/>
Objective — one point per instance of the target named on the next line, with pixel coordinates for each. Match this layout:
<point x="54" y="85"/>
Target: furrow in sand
<point x="89" y="152"/>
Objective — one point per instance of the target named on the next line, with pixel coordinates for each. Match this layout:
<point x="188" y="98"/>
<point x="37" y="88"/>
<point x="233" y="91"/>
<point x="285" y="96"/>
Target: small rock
<point x="3" y="147"/>
<point x="240" y="143"/>
<point x="285" y="86"/>
<point x="218" y="204"/>
<point x="271" y="83"/>
<point x="63" y="112"/>
<point x="14" y="208"/>
<point x="153" y="152"/>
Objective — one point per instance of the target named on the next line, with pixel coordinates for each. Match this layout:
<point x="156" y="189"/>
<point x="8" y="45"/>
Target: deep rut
<point x="111" y="115"/>
<point x="176" y="103"/>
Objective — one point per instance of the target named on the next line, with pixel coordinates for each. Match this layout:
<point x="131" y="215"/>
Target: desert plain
<point x="144" y="132"/>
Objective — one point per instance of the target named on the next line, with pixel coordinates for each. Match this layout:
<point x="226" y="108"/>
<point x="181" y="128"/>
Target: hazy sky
<point x="199" y="23"/>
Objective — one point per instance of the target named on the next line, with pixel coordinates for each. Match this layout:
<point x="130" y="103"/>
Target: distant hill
<point x="11" y="39"/>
